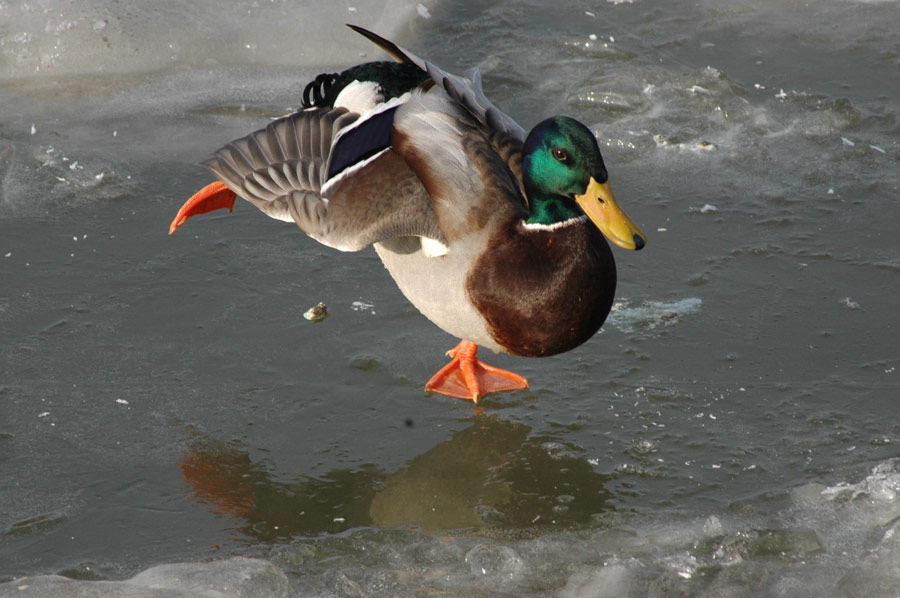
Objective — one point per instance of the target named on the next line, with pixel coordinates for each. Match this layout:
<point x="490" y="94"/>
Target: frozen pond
<point x="733" y="429"/>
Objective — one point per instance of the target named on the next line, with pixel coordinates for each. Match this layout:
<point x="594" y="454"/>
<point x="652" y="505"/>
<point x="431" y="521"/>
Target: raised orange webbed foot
<point x="214" y="196"/>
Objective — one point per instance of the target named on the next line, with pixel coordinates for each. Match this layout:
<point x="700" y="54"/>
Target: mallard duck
<point x="494" y="235"/>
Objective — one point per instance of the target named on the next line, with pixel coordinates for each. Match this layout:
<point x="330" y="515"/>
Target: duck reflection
<point x="489" y="474"/>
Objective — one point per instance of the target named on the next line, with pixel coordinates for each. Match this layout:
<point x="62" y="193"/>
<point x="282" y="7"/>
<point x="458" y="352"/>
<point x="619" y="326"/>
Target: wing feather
<point x="262" y="178"/>
<point x="286" y="131"/>
<point x="289" y="169"/>
<point x="276" y="175"/>
<point x="282" y="169"/>
<point x="274" y="144"/>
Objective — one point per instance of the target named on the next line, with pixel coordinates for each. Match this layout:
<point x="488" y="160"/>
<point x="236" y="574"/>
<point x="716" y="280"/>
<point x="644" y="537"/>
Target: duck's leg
<point x="467" y="378"/>
<point x="214" y="196"/>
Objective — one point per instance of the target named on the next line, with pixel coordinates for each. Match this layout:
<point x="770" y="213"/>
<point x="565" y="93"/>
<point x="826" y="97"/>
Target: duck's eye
<point x="561" y="155"/>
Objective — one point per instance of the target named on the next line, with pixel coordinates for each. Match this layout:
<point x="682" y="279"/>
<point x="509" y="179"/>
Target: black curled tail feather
<point x="391" y="79"/>
<point x="317" y="92"/>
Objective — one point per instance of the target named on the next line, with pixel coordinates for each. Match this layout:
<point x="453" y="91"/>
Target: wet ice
<point x="729" y="554"/>
<point x="232" y="578"/>
<point x="747" y="369"/>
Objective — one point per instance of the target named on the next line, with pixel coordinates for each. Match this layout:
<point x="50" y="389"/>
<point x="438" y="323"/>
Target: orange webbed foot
<point x="465" y="377"/>
<point x="214" y="196"/>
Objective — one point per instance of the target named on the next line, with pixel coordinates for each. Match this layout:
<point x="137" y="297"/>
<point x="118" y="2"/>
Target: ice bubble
<point x="237" y="576"/>
<point x="612" y="581"/>
<point x="883" y="485"/>
<point x="712" y="526"/>
<point x="792" y="543"/>
<point x="495" y="561"/>
<point x="879" y="572"/>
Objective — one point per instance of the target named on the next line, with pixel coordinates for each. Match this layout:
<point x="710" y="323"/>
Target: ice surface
<point x="610" y="581"/>
<point x="48" y="37"/>
<point x="494" y="562"/>
<point x="695" y="449"/>
<point x="237" y="577"/>
<point x="730" y="554"/>
<point x="879" y="491"/>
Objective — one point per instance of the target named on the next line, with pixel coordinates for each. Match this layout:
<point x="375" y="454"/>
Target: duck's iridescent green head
<point x="564" y="177"/>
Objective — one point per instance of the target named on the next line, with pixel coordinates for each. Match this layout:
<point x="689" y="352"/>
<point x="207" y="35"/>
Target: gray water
<point x="731" y="431"/>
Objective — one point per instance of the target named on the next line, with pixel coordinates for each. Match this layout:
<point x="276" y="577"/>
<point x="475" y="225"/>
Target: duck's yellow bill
<point x="599" y="203"/>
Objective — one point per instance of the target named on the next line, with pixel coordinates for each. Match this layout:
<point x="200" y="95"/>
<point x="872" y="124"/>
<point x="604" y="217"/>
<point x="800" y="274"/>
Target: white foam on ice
<point x="651" y="315"/>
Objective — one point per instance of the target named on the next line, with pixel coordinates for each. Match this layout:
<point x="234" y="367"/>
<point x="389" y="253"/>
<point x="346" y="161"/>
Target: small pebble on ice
<point x="316" y="313"/>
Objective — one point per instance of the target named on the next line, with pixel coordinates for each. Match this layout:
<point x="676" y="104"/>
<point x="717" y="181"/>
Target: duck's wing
<point x="471" y="185"/>
<point x="334" y="174"/>
<point x="466" y="91"/>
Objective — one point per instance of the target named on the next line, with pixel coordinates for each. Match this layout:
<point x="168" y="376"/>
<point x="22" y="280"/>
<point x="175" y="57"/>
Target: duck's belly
<point x="437" y="285"/>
